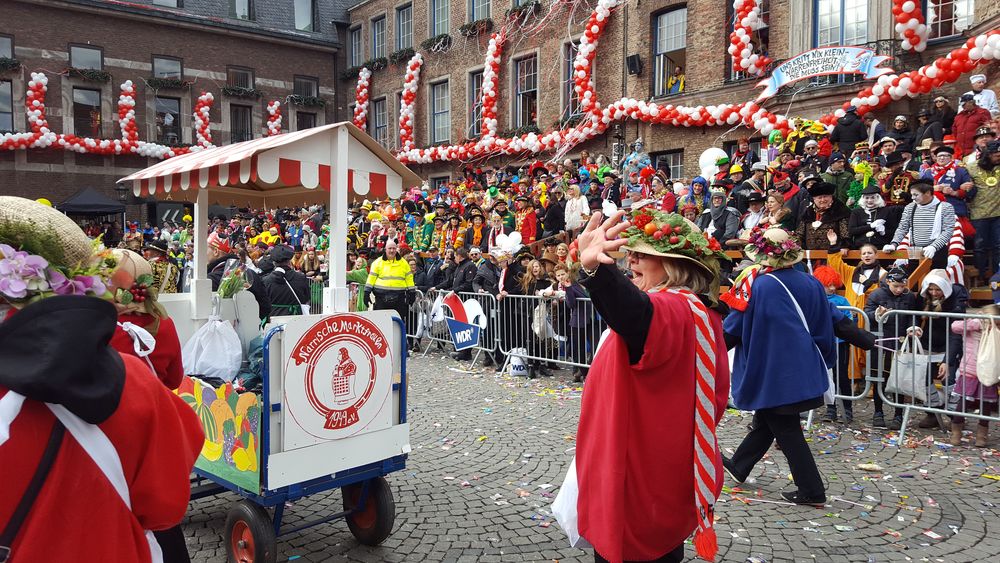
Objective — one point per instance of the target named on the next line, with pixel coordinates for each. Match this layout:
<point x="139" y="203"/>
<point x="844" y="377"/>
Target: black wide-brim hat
<point x="895" y="157"/>
<point x="822" y="188"/>
<point x="872" y="189"/>
<point x="157" y="245"/>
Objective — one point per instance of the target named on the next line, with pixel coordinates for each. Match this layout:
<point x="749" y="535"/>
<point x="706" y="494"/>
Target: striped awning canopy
<point x="290" y="165"/>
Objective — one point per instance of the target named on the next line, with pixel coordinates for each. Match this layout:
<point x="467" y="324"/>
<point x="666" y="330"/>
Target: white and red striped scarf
<point x="706" y="447"/>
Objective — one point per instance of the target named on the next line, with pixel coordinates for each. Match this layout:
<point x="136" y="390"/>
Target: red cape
<point x="635" y="444"/>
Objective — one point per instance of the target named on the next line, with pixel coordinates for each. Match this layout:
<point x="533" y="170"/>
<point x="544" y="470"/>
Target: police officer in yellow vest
<point x="391" y="281"/>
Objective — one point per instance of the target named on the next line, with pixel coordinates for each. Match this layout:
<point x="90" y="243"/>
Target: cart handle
<point x="402" y="369"/>
<point x="265" y="431"/>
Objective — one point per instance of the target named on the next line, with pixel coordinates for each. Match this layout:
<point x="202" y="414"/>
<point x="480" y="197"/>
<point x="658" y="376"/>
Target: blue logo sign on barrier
<point x="463" y="335"/>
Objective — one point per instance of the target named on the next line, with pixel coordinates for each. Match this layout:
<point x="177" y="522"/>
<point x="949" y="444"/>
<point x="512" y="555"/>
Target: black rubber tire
<point x="371" y="528"/>
<point x="247" y="516"/>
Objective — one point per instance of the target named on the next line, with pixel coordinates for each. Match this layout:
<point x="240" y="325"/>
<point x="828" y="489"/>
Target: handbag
<point x="540" y="323"/>
<point x="828" y="395"/>
<point x="910" y="374"/>
<point x="988" y="355"/>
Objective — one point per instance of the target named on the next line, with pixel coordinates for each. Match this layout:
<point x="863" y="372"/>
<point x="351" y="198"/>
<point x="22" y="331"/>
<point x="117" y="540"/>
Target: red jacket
<point x="166" y="357"/>
<point x="964" y="129"/>
<point x="528" y="227"/>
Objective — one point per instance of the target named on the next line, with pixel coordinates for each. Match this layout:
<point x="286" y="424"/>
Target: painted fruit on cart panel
<point x="231" y="422"/>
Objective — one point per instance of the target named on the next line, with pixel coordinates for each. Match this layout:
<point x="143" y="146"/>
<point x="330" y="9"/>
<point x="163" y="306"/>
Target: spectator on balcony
<point x="983" y="136"/>
<point x="986" y="99"/>
<point x="985" y="209"/>
<point x="927" y="128"/>
<point x="793" y="197"/>
<point x="943" y="113"/>
<point x="824" y="213"/>
<point x="577" y="209"/>
<point x="719" y="221"/>
<point x="849" y="131"/>
<point x="875" y="129"/>
<point x="901" y="131"/>
<point x="743" y="155"/>
<point x="928" y="222"/>
<point x="675" y="84"/>
<point x="812" y="159"/>
<point x="839" y="175"/>
<point x="555" y="214"/>
<point x="883" y="148"/>
<point x="871" y="222"/>
<point x="967" y="122"/>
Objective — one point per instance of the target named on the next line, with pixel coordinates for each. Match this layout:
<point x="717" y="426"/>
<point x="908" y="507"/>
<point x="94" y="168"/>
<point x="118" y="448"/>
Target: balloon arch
<point x="597" y="117"/>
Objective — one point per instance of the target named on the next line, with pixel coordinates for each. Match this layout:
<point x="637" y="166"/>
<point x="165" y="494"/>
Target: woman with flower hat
<point x="70" y="404"/>
<point x="639" y="501"/>
<point x="776" y="309"/>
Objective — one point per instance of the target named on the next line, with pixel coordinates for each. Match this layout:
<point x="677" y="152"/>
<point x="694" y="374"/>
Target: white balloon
<point x="909" y="6"/>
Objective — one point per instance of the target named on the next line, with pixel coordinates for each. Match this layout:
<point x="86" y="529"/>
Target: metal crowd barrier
<point x="538" y="329"/>
<point x="927" y="388"/>
<point x="436" y="332"/>
<point x="852" y="365"/>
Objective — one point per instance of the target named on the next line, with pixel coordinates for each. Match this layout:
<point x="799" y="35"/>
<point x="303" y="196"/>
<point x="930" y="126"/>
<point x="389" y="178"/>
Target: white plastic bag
<point x="988" y="356"/>
<point x="518" y="361"/>
<point x="828" y="395"/>
<point x="540" y="323"/>
<point x="911" y="373"/>
<point x="214" y="350"/>
<point x="564" y="508"/>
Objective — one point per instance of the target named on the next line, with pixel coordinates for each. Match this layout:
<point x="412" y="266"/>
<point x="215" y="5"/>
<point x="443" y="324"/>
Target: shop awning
<point x="282" y="165"/>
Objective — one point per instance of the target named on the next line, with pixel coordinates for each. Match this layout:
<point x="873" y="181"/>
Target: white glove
<point x="850" y="202"/>
<point x="879" y="225"/>
<point x="901" y="262"/>
<point x="929" y="252"/>
<point x="953" y="260"/>
<point x="889" y="248"/>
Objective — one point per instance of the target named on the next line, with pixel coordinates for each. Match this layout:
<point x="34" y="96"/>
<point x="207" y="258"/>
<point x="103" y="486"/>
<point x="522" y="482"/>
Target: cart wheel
<point x="250" y="534"/>
<point x="372" y="525"/>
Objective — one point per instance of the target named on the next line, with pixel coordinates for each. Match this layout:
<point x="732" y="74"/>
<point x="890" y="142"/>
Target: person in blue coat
<point x="784" y="330"/>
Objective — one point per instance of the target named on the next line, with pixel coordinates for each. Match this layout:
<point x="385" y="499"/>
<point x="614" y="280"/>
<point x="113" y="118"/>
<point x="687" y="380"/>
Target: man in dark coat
<point x="555" y="214"/>
<point x="849" y="131"/>
<point x="465" y="272"/>
<point x="927" y="128"/>
<point x="824" y="213"/>
<point x="287" y="289"/>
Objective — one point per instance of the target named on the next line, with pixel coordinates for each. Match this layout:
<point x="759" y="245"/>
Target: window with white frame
<point x="670" y="52"/>
<point x="357" y="52"/>
<point x="439" y="17"/>
<point x="948" y="17"/>
<point x="438" y="183"/>
<point x="378" y="125"/>
<point x="404" y="27"/>
<point x="168" y="120"/>
<point x="86" y="57"/>
<point x="87" y="112"/>
<point x="240" y="77"/>
<point x="526" y="91"/>
<point x="479" y="9"/>
<point x="6" y="106"/>
<point x="571" y="99"/>
<point x="6" y="47"/>
<point x="670" y="160"/>
<point x="241" y="9"/>
<point x="378" y="37"/>
<point x="440" y="113"/>
<point x="475" y="105"/>
<point x="305" y="86"/>
<point x="166" y="67"/>
<point x="240" y="123"/>
<point x="841" y="22"/>
<point x="305" y="15"/>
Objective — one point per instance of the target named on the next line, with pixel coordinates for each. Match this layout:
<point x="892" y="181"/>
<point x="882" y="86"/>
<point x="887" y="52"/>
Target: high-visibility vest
<point x="390" y="275"/>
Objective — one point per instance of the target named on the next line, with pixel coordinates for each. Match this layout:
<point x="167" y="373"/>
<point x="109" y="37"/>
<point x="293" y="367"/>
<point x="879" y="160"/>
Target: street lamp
<point x="122" y="193"/>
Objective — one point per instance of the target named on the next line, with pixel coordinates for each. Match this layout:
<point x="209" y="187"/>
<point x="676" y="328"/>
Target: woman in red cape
<point x="647" y="460"/>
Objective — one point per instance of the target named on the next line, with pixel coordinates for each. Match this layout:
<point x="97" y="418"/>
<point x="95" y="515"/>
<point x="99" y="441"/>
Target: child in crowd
<point x="832" y="281"/>
<point x="970" y="394"/>
<point x="892" y="295"/>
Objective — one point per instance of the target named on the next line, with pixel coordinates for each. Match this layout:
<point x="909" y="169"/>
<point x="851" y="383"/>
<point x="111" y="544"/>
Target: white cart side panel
<point x="337" y="375"/>
<point x="303" y="464"/>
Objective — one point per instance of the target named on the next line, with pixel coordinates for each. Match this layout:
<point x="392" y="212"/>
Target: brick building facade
<point x="690" y="33"/>
<point x="277" y="47"/>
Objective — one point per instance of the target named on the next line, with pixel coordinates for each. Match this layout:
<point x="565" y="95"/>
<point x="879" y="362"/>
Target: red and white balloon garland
<point x="910" y="25"/>
<point x="361" y="96"/>
<point x="490" y="91"/>
<point x="41" y="136"/>
<point x="407" y="100"/>
<point x="273" y="118"/>
<point x="981" y="49"/>
<point x="748" y="20"/>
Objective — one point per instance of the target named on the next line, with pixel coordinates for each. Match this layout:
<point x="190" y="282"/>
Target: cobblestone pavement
<point x="489" y="453"/>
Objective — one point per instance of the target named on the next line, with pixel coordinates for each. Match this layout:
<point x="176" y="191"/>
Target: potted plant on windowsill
<point x="8" y="64"/>
<point x="438" y="44"/>
<point x="350" y="73"/>
<point x="477" y="27"/>
<point x="306" y="101"/>
<point x="525" y="8"/>
<point x="401" y="56"/>
<point x="89" y="74"/>
<point x="162" y="83"/>
<point x="378" y="63"/>
<point x="241" y="92"/>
